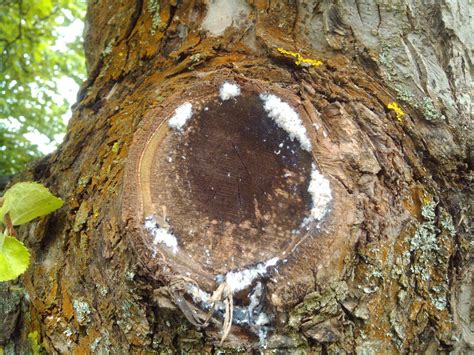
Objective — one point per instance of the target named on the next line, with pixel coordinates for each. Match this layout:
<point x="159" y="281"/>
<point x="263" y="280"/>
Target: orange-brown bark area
<point x="379" y="277"/>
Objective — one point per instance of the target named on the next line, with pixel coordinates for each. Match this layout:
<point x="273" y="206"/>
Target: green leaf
<point x="38" y="51"/>
<point x="25" y="201"/>
<point x="14" y="259"/>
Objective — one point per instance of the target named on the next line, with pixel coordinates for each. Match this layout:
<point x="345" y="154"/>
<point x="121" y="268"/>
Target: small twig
<point x="222" y="294"/>
<point x="229" y="314"/>
<point x="175" y="290"/>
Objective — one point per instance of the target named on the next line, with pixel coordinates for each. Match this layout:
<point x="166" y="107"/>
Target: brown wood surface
<point x="387" y="271"/>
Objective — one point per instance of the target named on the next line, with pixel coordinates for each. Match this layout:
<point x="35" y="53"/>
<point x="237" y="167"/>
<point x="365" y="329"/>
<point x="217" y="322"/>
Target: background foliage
<point x="33" y="57"/>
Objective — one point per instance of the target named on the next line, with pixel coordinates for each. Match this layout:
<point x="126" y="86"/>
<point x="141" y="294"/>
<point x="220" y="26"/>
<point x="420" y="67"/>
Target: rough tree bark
<point x="387" y="269"/>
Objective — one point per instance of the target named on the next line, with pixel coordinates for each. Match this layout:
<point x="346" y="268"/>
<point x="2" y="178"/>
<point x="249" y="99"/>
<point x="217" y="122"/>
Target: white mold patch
<point x="161" y="235"/>
<point x="240" y="280"/>
<point x="229" y="91"/>
<point x="181" y="115"/>
<point x="223" y="13"/>
<point x="320" y="192"/>
<point x="199" y="296"/>
<point x="286" y="118"/>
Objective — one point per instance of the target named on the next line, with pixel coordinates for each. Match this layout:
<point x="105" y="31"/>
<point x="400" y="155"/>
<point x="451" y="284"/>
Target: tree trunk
<point x="324" y="208"/>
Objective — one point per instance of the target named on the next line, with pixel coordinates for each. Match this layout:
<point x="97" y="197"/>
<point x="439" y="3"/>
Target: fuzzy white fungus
<point x="161" y="235"/>
<point x="240" y="280"/>
<point x="228" y="91"/>
<point x="198" y="294"/>
<point x="320" y="192"/>
<point x="181" y="115"/>
<point x="286" y="118"/>
<point x="262" y="319"/>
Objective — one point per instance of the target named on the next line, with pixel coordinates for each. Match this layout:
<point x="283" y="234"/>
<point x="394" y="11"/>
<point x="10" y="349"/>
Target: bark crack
<point x="380" y="18"/>
<point x="240" y="158"/>
<point x="358" y="10"/>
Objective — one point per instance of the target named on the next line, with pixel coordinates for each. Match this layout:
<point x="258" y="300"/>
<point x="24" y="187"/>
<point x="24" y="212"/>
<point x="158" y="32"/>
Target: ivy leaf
<point x="25" y="201"/>
<point x="14" y="259"/>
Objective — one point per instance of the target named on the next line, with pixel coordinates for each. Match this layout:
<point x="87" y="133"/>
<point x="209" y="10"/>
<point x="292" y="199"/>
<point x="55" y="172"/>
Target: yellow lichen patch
<point x="35" y="343"/>
<point x="299" y="60"/>
<point x="397" y="109"/>
<point x="116" y="147"/>
<point x="426" y="200"/>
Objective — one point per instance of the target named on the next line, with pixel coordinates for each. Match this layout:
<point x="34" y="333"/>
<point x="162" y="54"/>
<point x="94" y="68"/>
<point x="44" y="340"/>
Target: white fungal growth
<point x="320" y="192"/>
<point x="286" y="118"/>
<point x="161" y="235"/>
<point x="262" y="319"/>
<point x="240" y="280"/>
<point x="199" y="295"/>
<point x="181" y="115"/>
<point x="228" y="91"/>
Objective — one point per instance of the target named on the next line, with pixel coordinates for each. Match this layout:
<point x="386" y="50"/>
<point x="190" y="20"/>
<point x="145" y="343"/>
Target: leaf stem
<point x="8" y="222"/>
<point x="2" y="239"/>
